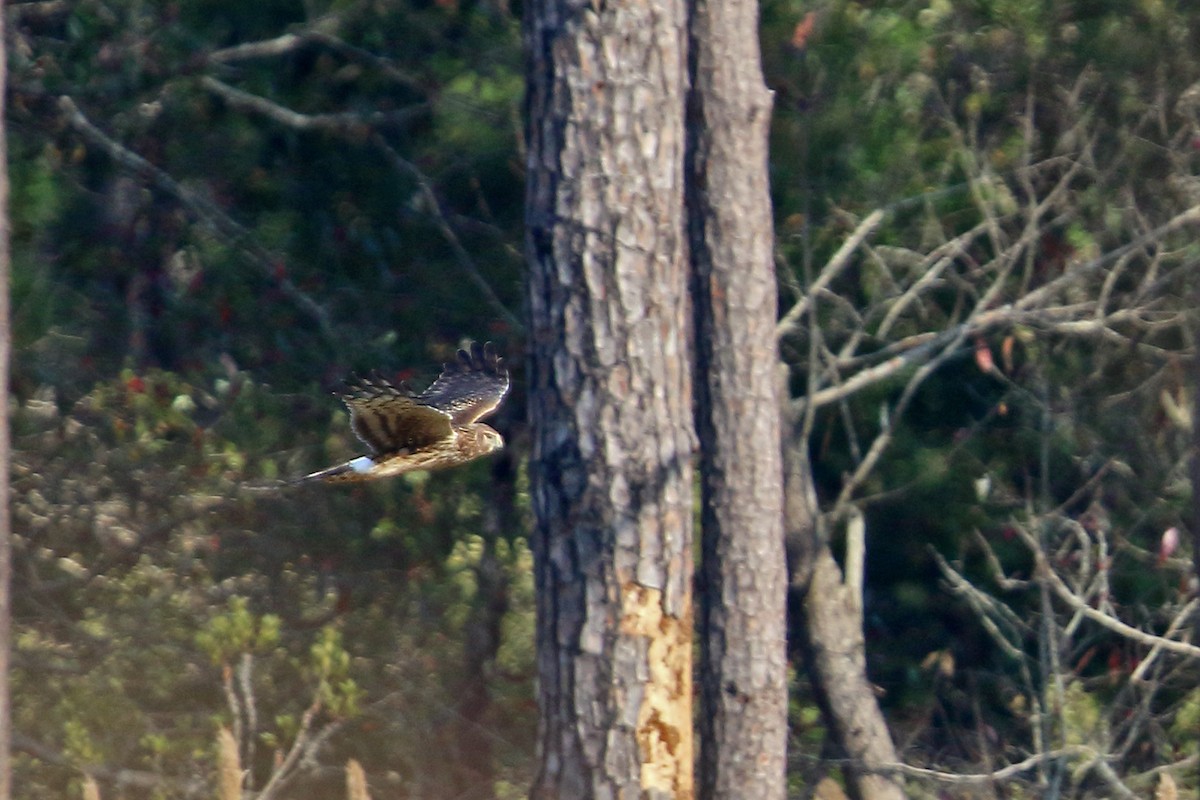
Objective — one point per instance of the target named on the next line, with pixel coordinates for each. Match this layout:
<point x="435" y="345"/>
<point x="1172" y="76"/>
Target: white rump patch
<point x="362" y="464"/>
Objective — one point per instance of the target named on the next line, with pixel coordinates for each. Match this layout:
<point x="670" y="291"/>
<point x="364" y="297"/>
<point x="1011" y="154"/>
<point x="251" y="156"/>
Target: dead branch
<point x="200" y="207"/>
<point x="987" y="608"/>
<point x="283" y="772"/>
<point x="341" y="124"/>
<point x="245" y="673"/>
<point x="1043" y="293"/>
<point x="322" y="35"/>
<point x="995" y="776"/>
<point x="434" y="205"/>
<point x="1064" y="593"/>
<point x="355" y="126"/>
<point x="836" y="264"/>
<point x="265" y="48"/>
<point x="231" y="700"/>
<point x="1175" y="628"/>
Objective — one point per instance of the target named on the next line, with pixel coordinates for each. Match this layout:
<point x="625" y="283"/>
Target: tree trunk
<point x="742" y="611"/>
<point x="5" y="519"/>
<point x="610" y="398"/>
<point x="831" y="638"/>
<point x="835" y="656"/>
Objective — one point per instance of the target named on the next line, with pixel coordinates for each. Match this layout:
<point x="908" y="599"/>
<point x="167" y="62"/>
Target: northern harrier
<point x="437" y="428"/>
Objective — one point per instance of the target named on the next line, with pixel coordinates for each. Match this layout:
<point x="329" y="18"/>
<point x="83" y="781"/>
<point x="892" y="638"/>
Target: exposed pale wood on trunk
<point x="610" y="400"/>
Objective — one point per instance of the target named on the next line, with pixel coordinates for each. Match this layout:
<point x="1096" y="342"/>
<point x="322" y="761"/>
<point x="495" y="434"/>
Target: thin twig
<point x="202" y="208"/>
<point x="1181" y="619"/>
<point x="1064" y="593"/>
<point x="836" y="264"/>
<point x="1101" y="768"/>
<point x="1036" y="297"/>
<point x="985" y="608"/>
<point x="291" y="42"/>
<point x="341" y="124"/>
<point x="1002" y="774"/>
<point x="434" y="205"/>
<point x="298" y="748"/>
<point x="355" y="126"/>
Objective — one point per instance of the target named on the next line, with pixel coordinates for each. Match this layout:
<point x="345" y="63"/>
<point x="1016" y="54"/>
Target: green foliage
<point x="330" y="667"/>
<point x="1081" y="714"/>
<point x="238" y="631"/>
<point x="1186" y="722"/>
<point x="160" y="567"/>
<point x="323" y="208"/>
<point x="946" y="116"/>
<point x="167" y="362"/>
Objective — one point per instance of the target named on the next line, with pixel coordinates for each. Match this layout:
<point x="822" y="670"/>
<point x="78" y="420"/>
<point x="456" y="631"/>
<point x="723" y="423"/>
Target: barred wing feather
<point x="470" y="387"/>
<point x="389" y="419"/>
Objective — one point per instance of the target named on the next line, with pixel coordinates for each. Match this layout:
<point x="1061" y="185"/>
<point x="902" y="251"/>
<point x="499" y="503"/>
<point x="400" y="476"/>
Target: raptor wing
<point x="469" y="388"/>
<point x="389" y="419"/>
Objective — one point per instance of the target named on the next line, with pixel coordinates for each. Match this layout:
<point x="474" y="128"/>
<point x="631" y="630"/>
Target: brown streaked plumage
<point x="435" y="429"/>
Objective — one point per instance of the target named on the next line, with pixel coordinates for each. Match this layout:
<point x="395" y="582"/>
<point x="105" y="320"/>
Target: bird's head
<point x="490" y="438"/>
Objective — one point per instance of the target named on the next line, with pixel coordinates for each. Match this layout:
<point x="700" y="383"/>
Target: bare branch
<point x="1101" y="768"/>
<point x="265" y="48"/>
<point x="855" y="558"/>
<point x="355" y="126"/>
<point x="1042" y="294"/>
<point x="299" y="748"/>
<point x="231" y="700"/>
<point x="866" y="377"/>
<point x="245" y="673"/>
<point x="1064" y="593"/>
<point x="342" y="124"/>
<point x="884" y="438"/>
<point x="938" y="260"/>
<point x="921" y="347"/>
<point x="836" y="264"/>
<point x="434" y="204"/>
<point x="200" y="207"/>
<point x="986" y="608"/>
<point x="995" y="776"/>
<point x="1178" y="623"/>
<point x="291" y="42"/>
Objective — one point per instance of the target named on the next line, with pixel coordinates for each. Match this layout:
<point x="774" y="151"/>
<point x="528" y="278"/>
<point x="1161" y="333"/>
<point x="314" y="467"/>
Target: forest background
<point x="221" y="209"/>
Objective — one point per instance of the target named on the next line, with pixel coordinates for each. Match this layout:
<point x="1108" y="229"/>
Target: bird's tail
<point x="353" y="470"/>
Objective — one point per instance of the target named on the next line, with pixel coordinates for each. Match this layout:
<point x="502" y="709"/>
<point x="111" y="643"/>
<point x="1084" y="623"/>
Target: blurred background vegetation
<point x="221" y="209"/>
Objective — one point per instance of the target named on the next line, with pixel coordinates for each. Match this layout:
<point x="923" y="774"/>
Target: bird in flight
<point x="434" y="429"/>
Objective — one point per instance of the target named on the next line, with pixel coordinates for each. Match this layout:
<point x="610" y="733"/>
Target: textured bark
<point x="609" y="397"/>
<point x="835" y="657"/>
<point x="831" y="638"/>
<point x="742" y="610"/>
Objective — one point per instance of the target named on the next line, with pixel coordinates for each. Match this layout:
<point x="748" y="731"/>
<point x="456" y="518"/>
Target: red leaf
<point x="804" y="29"/>
<point x="983" y="357"/>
